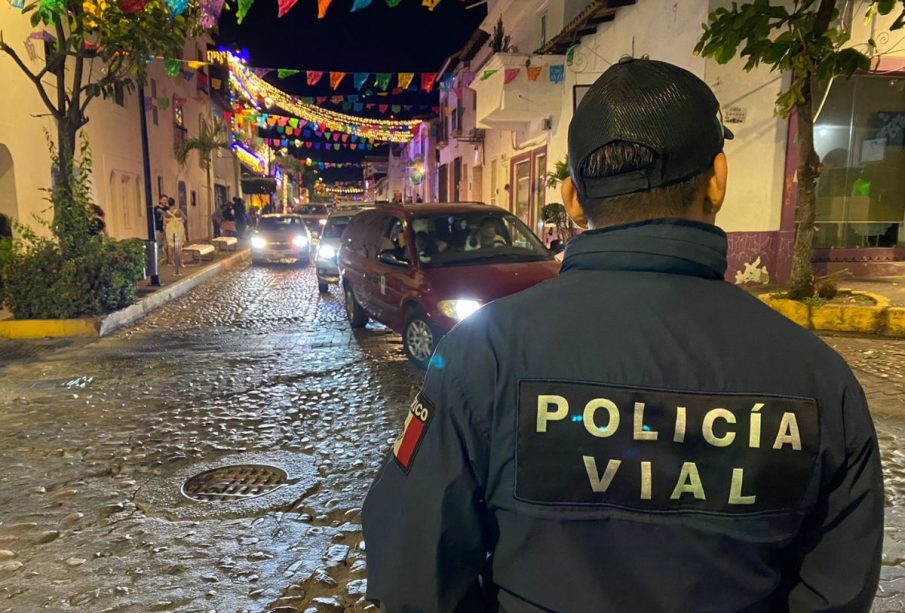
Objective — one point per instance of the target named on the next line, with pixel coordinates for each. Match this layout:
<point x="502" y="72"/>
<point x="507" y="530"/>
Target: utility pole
<point x="149" y="199"/>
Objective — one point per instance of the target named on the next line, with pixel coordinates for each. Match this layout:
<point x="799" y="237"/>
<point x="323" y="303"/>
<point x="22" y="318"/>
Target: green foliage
<point x="555" y="213"/>
<point x="213" y="136"/>
<point x="560" y="173"/>
<point x="40" y="282"/>
<point x="802" y="38"/>
<point x="71" y="199"/>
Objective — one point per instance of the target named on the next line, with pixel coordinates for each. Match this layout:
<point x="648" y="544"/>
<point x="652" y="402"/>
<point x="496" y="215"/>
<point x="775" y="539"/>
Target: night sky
<point x="408" y="38"/>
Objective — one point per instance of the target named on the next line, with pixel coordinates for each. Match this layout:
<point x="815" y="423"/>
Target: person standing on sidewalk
<point x="636" y="434"/>
<point x="241" y="221"/>
<point x="174" y="226"/>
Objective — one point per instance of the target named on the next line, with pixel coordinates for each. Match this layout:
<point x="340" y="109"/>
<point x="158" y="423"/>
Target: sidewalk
<point x="149" y="298"/>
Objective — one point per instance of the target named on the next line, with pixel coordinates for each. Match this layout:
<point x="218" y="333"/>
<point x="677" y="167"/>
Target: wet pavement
<point x="96" y="439"/>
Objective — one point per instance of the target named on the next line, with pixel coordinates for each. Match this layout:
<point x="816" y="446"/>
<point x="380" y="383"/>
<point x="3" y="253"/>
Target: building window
<point x="860" y="138"/>
<point x="119" y="94"/>
<point x="179" y="131"/>
<point x="49" y="49"/>
<point x="543" y="29"/>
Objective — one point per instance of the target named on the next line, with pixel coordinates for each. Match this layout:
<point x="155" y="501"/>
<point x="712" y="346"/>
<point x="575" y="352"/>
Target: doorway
<point x="528" y="193"/>
<point x="8" y="204"/>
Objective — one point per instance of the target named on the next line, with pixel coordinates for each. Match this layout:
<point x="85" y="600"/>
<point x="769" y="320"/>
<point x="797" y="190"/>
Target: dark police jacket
<point x="634" y="435"/>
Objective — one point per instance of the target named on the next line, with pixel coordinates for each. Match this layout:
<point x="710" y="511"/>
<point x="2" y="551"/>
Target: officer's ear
<point x="573" y="206"/>
<point x="716" y="186"/>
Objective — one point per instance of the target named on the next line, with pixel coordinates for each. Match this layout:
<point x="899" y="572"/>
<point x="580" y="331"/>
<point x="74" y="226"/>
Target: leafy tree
<point x="804" y="38"/>
<point x="213" y="137"/>
<point x="121" y="37"/>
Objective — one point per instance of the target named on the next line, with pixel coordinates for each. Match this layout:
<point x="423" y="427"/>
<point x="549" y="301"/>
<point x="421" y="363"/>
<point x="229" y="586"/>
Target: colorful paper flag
<point x="511" y="75"/>
<point x="534" y="72"/>
<point x="173" y="67"/>
<point x="360" y="78"/>
<point x="210" y="12"/>
<point x="163" y="103"/>
<point x="322" y="6"/>
<point x="283" y="7"/>
<point x="176" y="7"/>
<point x="488" y="73"/>
<point x="405" y="79"/>
<point x="393" y="3"/>
<point x="383" y="108"/>
<point x="427" y="81"/>
<point x="282" y="73"/>
<point x="448" y="79"/>
<point x="242" y="9"/>
<point x="383" y="80"/>
<point x="18" y="4"/>
<point x="128" y="7"/>
<point x="360" y="4"/>
<point x="430" y="4"/>
<point x="557" y="73"/>
<point x="336" y="78"/>
<point x="347" y="106"/>
<point x="215" y="83"/>
<point x="396" y="108"/>
<point x="314" y="76"/>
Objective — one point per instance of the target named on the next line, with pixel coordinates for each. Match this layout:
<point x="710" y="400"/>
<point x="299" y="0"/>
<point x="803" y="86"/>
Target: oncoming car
<point x="420" y="269"/>
<point x="315" y="218"/>
<point x="325" y="259"/>
<point x="280" y="237"/>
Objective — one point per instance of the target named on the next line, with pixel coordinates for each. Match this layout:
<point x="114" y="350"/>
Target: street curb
<point x="877" y="319"/>
<point x="102" y="326"/>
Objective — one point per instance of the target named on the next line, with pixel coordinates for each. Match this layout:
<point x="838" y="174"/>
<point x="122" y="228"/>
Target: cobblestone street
<point x="256" y="367"/>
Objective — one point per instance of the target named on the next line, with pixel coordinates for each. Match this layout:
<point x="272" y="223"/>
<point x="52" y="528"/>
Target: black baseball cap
<point x="650" y="103"/>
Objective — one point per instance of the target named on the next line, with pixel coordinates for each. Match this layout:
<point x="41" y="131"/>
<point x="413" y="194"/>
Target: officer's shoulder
<point x="797" y="339"/>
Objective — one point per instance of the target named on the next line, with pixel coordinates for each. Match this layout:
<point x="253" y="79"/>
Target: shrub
<point x="826" y="289"/>
<point x="40" y="283"/>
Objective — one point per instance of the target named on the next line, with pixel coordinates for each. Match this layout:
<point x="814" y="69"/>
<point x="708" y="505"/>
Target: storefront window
<point x="860" y="138"/>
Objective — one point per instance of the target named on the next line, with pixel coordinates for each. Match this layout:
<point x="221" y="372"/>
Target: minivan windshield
<point x="279" y="224"/>
<point x="335" y="227"/>
<point x="475" y="237"/>
<point x="313" y="209"/>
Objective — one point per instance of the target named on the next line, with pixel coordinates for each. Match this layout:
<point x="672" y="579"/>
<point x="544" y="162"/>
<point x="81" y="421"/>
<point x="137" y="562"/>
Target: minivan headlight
<point x="258" y="242"/>
<point x="299" y="241"/>
<point x="326" y="252"/>
<point x="458" y="309"/>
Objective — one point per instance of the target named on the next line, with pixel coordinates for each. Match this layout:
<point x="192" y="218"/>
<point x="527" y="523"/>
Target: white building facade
<point x="504" y="124"/>
<point x="176" y="107"/>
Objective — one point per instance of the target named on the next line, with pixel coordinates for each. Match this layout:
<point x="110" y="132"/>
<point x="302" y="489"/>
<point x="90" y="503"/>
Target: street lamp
<point x="149" y="201"/>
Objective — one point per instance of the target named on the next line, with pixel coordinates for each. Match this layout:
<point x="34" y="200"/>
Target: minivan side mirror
<point x="388" y="257"/>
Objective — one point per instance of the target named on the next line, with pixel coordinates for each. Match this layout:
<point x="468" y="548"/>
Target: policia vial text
<point x="717" y="429"/>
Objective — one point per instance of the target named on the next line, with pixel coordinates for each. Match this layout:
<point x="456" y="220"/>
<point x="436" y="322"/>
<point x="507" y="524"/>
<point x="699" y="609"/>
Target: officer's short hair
<point x="622" y="157"/>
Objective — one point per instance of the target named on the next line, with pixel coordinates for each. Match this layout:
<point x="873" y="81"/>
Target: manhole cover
<point x="236" y="482"/>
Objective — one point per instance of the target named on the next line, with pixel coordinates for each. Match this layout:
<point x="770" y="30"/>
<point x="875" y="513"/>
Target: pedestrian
<point x="160" y="211"/>
<point x="174" y="227"/>
<point x="239" y="212"/>
<point x="216" y="220"/>
<point x="636" y="434"/>
<point x="228" y="225"/>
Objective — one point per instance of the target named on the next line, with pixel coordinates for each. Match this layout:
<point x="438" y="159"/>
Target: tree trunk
<point x="210" y="197"/>
<point x="70" y="221"/>
<point x="801" y="284"/>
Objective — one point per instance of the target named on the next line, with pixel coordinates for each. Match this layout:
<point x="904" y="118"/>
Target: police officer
<point x="637" y="434"/>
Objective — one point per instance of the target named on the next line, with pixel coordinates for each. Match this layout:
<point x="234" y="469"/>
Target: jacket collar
<point x="675" y="246"/>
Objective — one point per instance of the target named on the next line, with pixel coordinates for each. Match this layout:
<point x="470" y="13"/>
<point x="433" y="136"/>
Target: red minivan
<point x="421" y="268"/>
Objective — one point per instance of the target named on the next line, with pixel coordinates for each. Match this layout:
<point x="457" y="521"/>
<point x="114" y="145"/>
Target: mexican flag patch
<point x="412" y="432"/>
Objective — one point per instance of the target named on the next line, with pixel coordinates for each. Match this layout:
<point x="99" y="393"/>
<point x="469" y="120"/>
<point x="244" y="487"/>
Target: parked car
<point x="325" y="260"/>
<point x="280" y="237"/>
<point x="419" y="269"/>
<point x="315" y="217"/>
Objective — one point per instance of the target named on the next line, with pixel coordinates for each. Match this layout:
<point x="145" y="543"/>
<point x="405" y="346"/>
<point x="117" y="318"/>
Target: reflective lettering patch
<point x="585" y="444"/>
<point x="413" y="431"/>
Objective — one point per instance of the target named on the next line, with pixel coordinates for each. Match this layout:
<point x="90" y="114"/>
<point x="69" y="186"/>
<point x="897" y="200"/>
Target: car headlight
<point x="323" y="222"/>
<point x="458" y="309"/>
<point x="300" y="241"/>
<point x="258" y="242"/>
<point x="326" y="252"/>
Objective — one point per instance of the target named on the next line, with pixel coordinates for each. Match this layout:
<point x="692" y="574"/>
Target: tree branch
<point x="34" y="78"/>
<point x="60" y="69"/>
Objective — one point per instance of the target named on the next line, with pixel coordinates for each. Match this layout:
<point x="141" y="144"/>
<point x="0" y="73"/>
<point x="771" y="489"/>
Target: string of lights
<point x="254" y="90"/>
